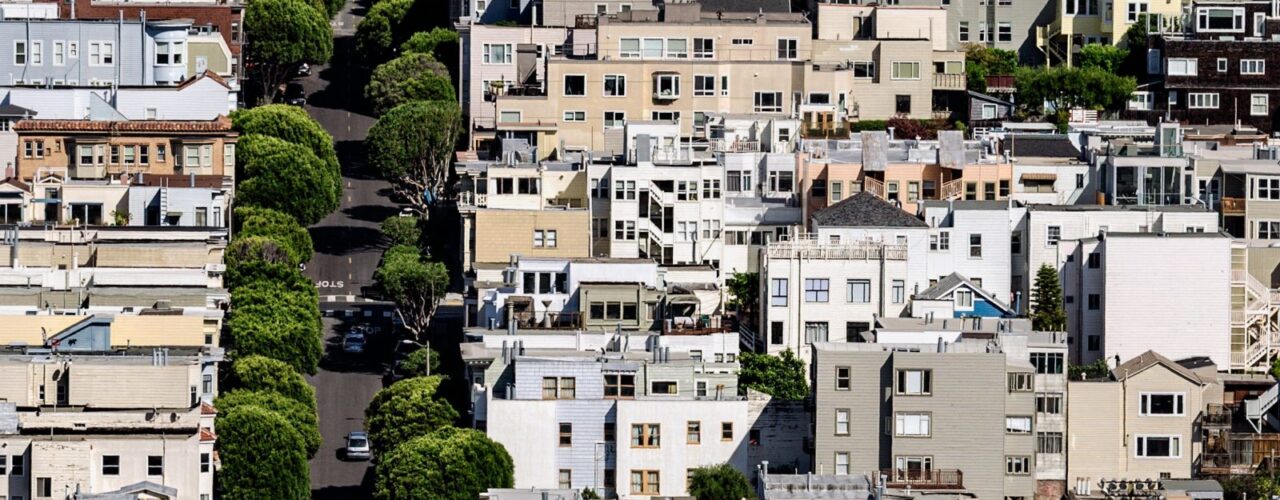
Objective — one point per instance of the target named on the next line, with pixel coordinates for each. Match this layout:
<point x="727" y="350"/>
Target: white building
<point x="1049" y="169"/>
<point x="973" y="239"/>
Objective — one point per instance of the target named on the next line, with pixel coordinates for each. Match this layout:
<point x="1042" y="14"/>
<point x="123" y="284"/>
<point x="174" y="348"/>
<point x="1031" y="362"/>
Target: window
<point x="842" y="422"/>
<point x="644" y="482"/>
<point x="1095" y="302"/>
<point x="711" y="189"/>
<point x="1047" y="363"/>
<point x="1021" y="382"/>
<point x="1053" y="234"/>
<point x="1164" y="404"/>
<point x="645" y="435"/>
<point x="1095" y="260"/>
<point x="1180" y="66"/>
<point x="704" y="48"/>
<point x="914" y="382"/>
<point x="786" y="48"/>
<point x="912" y="424"/>
<point x="768" y="102"/>
<point x="815" y="289"/>
<point x="664" y="116"/>
<point x="842" y="378"/>
<point x="624" y="190"/>
<point x="964" y="299"/>
<point x="17" y="465"/>
<point x="726" y="431"/>
<point x="619" y="386"/>
<point x="19" y="53"/>
<point x="1266" y="188"/>
<point x="842" y="463"/>
<point x="575" y="116"/>
<point x="898" y="291"/>
<point x="1220" y="19"/>
<point x="205" y="463"/>
<point x="1202" y="100"/>
<point x="37" y="53"/>
<point x="497" y="53"/>
<point x="902" y="104"/>
<point x="168" y="53"/>
<point x="858" y="291"/>
<point x="906" y="70"/>
<point x="558" y="388"/>
<point x="1017" y="466"/>
<point x="566" y="479"/>
<point x="975" y="246"/>
<point x="781" y="181"/>
<point x="615" y="119"/>
<point x="778" y="292"/>
<point x="677" y="48"/>
<point x="566" y="434"/>
<point x="864" y="69"/>
<point x="110" y="465"/>
<point x="1141" y="101"/>
<point x="575" y="85"/>
<point x="1048" y="442"/>
<point x="615" y="86"/>
<point x="629" y="48"/>
<point x="815" y="331"/>
<point x="1049" y="403"/>
<point x="155" y="465"/>
<point x="1268" y="230"/>
<point x="1247" y="66"/>
<point x="693" y="433"/>
<point x="664" y="387"/>
<point x="964" y="31"/>
<point x="1158" y="447"/>
<point x="1135" y="10"/>
<point x="940" y="241"/>
<point x="704" y="85"/>
<point x="724" y="85"/>
<point x="1259" y="104"/>
<point x="667" y="86"/>
<point x="775" y="332"/>
<point x="1004" y="32"/>
<point x="1017" y="425"/>
<point x="624" y="230"/>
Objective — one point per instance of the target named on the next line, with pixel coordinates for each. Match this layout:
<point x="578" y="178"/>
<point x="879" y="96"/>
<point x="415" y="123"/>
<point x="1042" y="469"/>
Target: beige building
<point x="1138" y="423"/>
<point x="98" y="149"/>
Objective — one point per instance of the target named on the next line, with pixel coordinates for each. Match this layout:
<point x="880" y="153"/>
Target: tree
<point x="414" y="284"/>
<point x="1065" y="88"/>
<point x="285" y="33"/>
<point x="293" y="125"/>
<point x="401" y="230"/>
<point x="410" y="77"/>
<point x="421" y="362"/>
<point x="407" y="409"/>
<point x="450" y="464"/>
<point x="1046" y="311"/>
<point x="262" y="455"/>
<point x="1107" y="58"/>
<point x="1092" y="371"/>
<point x="429" y="42"/>
<point x="981" y="62"/>
<point x="260" y="373"/>
<point x="744" y="294"/>
<point x="258" y="248"/>
<point x="248" y="268"/>
<point x="380" y="30"/>
<point x="302" y="417"/>
<point x="779" y="376"/>
<point x="1135" y="40"/>
<point x="412" y="146"/>
<point x="279" y="227"/>
<point x="286" y="177"/>
<point x="719" y="482"/>
<point x="281" y="330"/>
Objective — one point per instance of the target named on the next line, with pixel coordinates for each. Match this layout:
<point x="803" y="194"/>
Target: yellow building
<point x="1082" y="22"/>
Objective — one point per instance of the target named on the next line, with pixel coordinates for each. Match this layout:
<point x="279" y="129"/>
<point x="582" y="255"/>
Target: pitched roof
<point x="1041" y="145"/>
<point x="988" y="98"/>
<point x="207" y="74"/>
<point x="1149" y="359"/>
<point x="865" y="210"/>
<point x="943" y="288"/>
<point x="7" y="109"/>
<point x="221" y="124"/>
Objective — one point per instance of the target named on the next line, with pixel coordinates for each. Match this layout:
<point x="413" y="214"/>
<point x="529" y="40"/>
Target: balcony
<point x="1216" y="416"/>
<point x="1233" y="206"/>
<point x="924" y="479"/>
<point x="547" y="320"/>
<point x="1002" y="84"/>
<point x="696" y="325"/>
<point x="949" y="81"/>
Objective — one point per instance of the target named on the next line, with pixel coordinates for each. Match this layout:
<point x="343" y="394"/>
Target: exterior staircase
<point x="1254" y="322"/>
<point x="1258" y="410"/>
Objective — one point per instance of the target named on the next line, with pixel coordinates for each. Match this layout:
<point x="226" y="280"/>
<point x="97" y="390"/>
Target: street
<point x="348" y="248"/>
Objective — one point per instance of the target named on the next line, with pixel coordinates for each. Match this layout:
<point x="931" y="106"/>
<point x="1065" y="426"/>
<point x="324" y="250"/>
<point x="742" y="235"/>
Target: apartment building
<point x="955" y="296"/>
<point x="802" y="300"/>
<point x="1108" y="278"/>
<point x="72" y="52"/>
<point x="87" y="149"/>
<point x="959" y="415"/>
<point x="573" y="419"/>
<point x="1081" y="22"/>
<point x="139" y="200"/>
<point x="1242" y="194"/>
<point x="1141" y="422"/>
<point x="1049" y="169"/>
<point x="1210" y="64"/>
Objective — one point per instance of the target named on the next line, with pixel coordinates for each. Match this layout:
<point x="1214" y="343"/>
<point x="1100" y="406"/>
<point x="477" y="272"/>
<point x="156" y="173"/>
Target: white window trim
<point x="54" y="60"/>
<point x="603" y="87"/>
<point x="36" y="47"/>
<point x="26" y="52"/>
<point x="564" y="87"/>
<point x="1209" y="100"/>
<point x="1261" y="66"/>
<point x="894" y="64"/>
<point x="565" y="116"/>
<point x="1143" y="411"/>
<point x="1194" y="66"/>
<point x="1235" y="12"/>
<point x="1266" y="104"/>
<point x="102" y="44"/>
<point x="1177" y="453"/>
<point x="507" y="59"/>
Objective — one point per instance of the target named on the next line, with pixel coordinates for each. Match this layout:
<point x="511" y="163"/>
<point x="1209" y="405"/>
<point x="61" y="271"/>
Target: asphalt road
<point x="348" y="248"/>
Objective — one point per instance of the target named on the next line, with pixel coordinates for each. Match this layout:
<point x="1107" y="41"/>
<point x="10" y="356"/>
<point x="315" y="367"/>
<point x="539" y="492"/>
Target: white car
<point x="358" y="446"/>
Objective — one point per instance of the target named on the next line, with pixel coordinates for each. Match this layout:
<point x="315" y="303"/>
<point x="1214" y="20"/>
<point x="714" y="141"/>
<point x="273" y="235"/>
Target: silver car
<point x="358" y="446"/>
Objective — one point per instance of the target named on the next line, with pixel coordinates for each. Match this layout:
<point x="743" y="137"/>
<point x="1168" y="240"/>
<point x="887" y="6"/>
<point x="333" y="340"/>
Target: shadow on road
<point x="370" y="213"/>
<point x="378" y="348"/>
<point x="360" y="491"/>
<point x="345" y="240"/>
<point x="346" y="78"/>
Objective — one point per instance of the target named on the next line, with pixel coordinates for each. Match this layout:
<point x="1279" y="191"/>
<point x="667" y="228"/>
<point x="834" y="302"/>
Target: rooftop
<point x="967" y="204"/>
<point x="220" y="125"/>
<point x="865" y="210"/>
<point x="1040" y="145"/>
<point x="1117" y="208"/>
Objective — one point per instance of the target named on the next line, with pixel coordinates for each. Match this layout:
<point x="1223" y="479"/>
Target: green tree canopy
<point x="246" y="249"/>
<point x="286" y="177"/>
<point x="1107" y="58"/>
<point x="421" y="362"/>
<point x="1065" y="88"/>
<point x="260" y="373"/>
<point x="294" y="125"/>
<point x="279" y="227"/>
<point x="302" y="417"/>
<point x="410" y="77"/>
<point x="429" y="42"/>
<point x="744" y="293"/>
<point x="248" y="269"/>
<point x="450" y="464"/>
<point x="981" y="62"/>
<point x="381" y="29"/>
<point x="281" y="330"/>
<point x="407" y="409"/>
<point x="779" y="376"/>
<point x="272" y="294"/>
<point x="412" y="145"/>
<point x="414" y="284"/>
<point x="285" y="33"/>
<point x="1046" y="309"/>
<point x="402" y="230"/>
<point x="1092" y="371"/>
<point x="262" y="455"/>
<point x="719" y="482"/>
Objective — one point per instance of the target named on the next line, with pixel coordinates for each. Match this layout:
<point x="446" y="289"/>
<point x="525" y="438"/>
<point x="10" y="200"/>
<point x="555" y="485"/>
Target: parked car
<point x="293" y="95"/>
<point x="353" y="343"/>
<point x="358" y="446"/>
<point x="304" y="69"/>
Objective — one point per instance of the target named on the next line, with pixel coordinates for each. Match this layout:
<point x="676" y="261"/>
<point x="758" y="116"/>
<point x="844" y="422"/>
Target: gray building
<point x="81" y="52"/>
<point x="949" y="414"/>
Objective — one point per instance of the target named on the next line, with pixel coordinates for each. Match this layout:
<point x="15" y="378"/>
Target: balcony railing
<point x="548" y="320"/>
<point x="929" y="479"/>
<point x="1233" y="206"/>
<point x="703" y="325"/>
<point x="1001" y="83"/>
<point x="949" y="81"/>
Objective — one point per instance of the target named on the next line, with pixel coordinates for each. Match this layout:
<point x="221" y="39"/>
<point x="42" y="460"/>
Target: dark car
<point x="293" y="95"/>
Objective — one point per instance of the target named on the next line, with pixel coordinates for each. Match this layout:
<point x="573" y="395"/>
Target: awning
<point x="1039" y="176"/>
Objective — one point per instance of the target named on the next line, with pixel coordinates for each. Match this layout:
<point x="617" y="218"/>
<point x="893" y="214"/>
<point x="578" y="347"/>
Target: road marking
<point x="348" y="313"/>
<point x="348" y="184"/>
<point x="351" y="298"/>
<point x="348" y="197"/>
<point x="348" y="261"/>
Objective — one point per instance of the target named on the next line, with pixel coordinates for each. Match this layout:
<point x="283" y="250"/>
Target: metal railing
<point x="950" y="479"/>
<point x="806" y="247"/>
<point x="548" y="320"/>
<point x="703" y="325"/>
